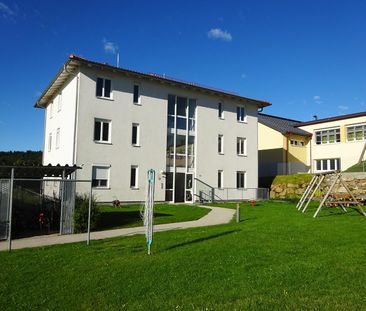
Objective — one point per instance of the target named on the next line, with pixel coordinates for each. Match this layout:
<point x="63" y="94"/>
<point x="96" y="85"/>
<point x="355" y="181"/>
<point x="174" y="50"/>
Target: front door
<point x="179" y="187"/>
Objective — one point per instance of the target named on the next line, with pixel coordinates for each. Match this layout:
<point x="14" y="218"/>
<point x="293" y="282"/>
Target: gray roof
<point x="282" y="125"/>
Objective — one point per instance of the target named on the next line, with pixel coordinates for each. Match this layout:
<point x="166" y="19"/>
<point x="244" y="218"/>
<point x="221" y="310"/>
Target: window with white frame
<point x="102" y="129"/>
<point x="50" y="106"/>
<point x="135" y="134"/>
<point x="328" y="164"/>
<point x="100" y="176"/>
<point x="240" y="114"/>
<point x="240" y="179"/>
<point x="136" y="93"/>
<point x="356" y="132"/>
<point x="241" y="146"/>
<point x="49" y="141"/>
<point x="297" y="143"/>
<point x="134" y="177"/>
<point x="59" y="102"/>
<point x="220" y="109"/>
<point x="58" y="138"/>
<point x="104" y="88"/>
<point x="220" y="144"/>
<point x="329" y="136"/>
<point x="220" y="179"/>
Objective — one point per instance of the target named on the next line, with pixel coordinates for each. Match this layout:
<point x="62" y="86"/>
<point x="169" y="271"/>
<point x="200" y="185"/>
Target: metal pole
<point x="10" y="207"/>
<point x="62" y="189"/>
<point x="89" y="213"/>
<point x="237" y="212"/>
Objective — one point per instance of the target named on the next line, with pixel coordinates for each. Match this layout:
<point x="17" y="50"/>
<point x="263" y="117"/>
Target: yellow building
<point x="288" y="146"/>
<point x="282" y="146"/>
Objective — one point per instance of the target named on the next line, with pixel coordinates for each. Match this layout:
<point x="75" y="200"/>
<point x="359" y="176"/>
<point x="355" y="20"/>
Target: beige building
<point x="288" y="146"/>
<point x="338" y="142"/>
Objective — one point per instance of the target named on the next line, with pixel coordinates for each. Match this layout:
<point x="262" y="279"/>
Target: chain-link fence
<point x="34" y="207"/>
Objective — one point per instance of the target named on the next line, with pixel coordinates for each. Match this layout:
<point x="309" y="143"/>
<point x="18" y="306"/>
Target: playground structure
<point x="328" y="195"/>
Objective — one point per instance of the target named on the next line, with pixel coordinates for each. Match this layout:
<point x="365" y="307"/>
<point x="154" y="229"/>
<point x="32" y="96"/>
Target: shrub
<point x="81" y="213"/>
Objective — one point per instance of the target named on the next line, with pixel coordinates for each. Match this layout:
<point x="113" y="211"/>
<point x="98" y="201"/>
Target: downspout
<point x="77" y="99"/>
<point x="287" y="164"/>
<point x="311" y="155"/>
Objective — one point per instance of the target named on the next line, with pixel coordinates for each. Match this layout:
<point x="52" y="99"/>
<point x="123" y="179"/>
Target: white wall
<point x="152" y="117"/>
<point x="64" y="120"/>
<point x="348" y="152"/>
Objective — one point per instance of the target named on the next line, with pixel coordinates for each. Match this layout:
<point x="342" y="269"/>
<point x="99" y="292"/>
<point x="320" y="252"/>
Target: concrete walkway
<point x="216" y="216"/>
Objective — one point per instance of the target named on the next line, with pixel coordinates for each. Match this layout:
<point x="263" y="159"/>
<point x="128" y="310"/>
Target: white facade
<point x="122" y="151"/>
<point x="337" y="143"/>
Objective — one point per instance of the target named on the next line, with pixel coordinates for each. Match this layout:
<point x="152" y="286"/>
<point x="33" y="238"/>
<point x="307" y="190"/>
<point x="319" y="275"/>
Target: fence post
<point x="89" y="213"/>
<point x="62" y="189"/>
<point x="10" y="207"/>
<point x="237" y="212"/>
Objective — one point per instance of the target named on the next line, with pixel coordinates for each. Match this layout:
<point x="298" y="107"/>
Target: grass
<point x="276" y="258"/>
<point x="359" y="167"/>
<point x="129" y="215"/>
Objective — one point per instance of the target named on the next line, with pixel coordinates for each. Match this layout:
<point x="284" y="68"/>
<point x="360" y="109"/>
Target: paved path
<point x="216" y="216"/>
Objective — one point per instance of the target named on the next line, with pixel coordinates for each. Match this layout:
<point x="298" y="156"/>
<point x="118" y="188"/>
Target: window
<point x="136" y="94"/>
<point x="134" y="177"/>
<point x="240" y="114"/>
<point x="59" y="102"/>
<point x="51" y="109"/>
<point x="104" y="88"/>
<point x="220" y="142"/>
<point x="100" y="176"/>
<point x="220" y="110"/>
<point x="102" y="131"/>
<point x="220" y="179"/>
<point x="241" y="146"/>
<point x="328" y="164"/>
<point x="327" y="136"/>
<point x="356" y="132"/>
<point x="49" y="141"/>
<point x="297" y="143"/>
<point x="135" y="134"/>
<point x="240" y="180"/>
<point x="58" y="138"/>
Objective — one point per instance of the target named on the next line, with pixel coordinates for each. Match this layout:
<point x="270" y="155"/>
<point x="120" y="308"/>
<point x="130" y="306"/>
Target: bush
<point x="81" y="214"/>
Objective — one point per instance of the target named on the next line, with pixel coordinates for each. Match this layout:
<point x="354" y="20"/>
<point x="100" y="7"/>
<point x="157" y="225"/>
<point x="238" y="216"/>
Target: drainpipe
<point x="77" y="98"/>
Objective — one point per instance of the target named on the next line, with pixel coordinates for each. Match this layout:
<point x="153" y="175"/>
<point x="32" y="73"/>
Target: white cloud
<point x="217" y="33"/>
<point x="317" y="99"/>
<point x="5" y="11"/>
<point x="110" y="47"/>
<point x="343" y="107"/>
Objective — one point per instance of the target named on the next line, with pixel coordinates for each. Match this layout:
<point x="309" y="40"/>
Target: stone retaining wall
<point x="287" y="190"/>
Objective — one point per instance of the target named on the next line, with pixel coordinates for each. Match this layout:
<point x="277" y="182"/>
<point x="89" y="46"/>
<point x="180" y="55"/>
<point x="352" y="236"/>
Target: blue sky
<point x="305" y="57"/>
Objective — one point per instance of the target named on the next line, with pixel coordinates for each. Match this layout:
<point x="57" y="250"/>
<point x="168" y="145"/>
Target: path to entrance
<point x="216" y="216"/>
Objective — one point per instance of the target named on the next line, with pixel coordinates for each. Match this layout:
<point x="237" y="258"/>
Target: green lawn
<point x="129" y="215"/>
<point x="276" y="258"/>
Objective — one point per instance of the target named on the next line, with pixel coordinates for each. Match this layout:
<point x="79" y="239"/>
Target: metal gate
<point x="67" y="194"/>
<point x="4" y="208"/>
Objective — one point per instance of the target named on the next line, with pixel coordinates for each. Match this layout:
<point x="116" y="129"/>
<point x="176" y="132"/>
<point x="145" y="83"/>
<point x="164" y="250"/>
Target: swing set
<point x="332" y="198"/>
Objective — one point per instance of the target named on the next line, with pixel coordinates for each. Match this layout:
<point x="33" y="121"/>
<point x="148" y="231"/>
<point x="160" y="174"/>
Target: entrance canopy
<point x="37" y="171"/>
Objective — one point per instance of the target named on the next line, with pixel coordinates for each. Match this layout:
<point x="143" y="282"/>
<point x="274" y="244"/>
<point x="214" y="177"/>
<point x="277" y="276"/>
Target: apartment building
<point x="117" y="123"/>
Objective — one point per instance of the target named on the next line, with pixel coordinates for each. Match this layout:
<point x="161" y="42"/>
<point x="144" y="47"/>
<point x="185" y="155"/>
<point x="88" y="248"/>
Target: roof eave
<point x="75" y="61"/>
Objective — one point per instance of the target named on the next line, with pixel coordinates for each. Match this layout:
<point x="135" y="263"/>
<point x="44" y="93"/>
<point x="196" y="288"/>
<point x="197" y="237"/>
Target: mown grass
<point x="276" y="258"/>
<point x="129" y="215"/>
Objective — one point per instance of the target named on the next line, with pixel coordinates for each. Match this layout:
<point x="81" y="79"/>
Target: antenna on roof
<point x="118" y="59"/>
